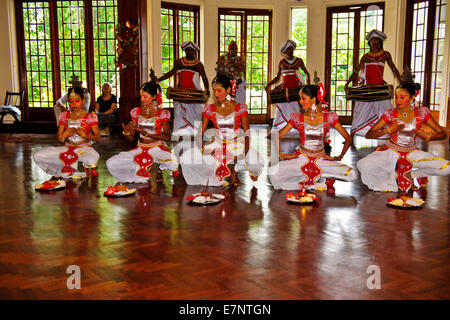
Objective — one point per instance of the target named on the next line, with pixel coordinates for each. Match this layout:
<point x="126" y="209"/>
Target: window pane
<point x="105" y="18"/>
<point x="71" y="34"/>
<point x="38" y="66"/>
<point x="419" y="43"/>
<point x="341" y="61"/>
<point x="171" y="46"/>
<point x="257" y="63"/>
<point x="438" y="55"/>
<point x="299" y="27"/>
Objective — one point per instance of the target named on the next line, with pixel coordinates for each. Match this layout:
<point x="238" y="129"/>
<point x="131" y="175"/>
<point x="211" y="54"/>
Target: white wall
<point x="9" y="69"/>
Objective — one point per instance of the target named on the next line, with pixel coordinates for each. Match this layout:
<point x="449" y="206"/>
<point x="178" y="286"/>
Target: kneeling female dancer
<point x="393" y="166"/>
<point x="309" y="165"/>
<point x="77" y="129"/>
<point x="151" y="122"/>
<point x="212" y="164"/>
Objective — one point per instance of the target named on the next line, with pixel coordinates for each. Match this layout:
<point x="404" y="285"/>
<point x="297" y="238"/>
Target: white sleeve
<point x="87" y="101"/>
<point x="63" y="100"/>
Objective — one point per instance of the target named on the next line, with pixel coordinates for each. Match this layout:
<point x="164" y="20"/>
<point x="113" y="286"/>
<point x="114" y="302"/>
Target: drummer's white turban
<point x="376" y="33"/>
<point x="287" y="44"/>
<point x="189" y="44"/>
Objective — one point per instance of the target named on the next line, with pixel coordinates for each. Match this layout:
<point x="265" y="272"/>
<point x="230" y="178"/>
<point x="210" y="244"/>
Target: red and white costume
<point x="291" y="78"/>
<point x="309" y="170"/>
<point x="229" y="142"/>
<point x="187" y="116"/>
<point x="134" y="165"/>
<point x="63" y="161"/>
<point x="367" y="113"/>
<point x="387" y="167"/>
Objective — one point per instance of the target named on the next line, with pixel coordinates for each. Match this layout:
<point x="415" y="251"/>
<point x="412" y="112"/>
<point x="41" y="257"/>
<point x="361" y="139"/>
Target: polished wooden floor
<point x="254" y="245"/>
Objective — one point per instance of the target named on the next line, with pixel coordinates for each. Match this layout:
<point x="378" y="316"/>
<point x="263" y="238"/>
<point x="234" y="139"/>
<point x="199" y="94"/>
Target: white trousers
<point x="366" y="114"/>
<point x="187" y="118"/>
<point x="240" y="97"/>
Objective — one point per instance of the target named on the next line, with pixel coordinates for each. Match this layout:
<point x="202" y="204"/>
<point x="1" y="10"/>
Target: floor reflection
<point x="252" y="245"/>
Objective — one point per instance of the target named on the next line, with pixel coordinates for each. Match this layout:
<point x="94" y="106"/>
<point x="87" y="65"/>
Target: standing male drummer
<point x="188" y="70"/>
<point x="367" y="113"/>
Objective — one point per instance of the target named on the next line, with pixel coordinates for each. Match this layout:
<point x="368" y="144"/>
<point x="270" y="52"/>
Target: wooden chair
<point x="13" y="106"/>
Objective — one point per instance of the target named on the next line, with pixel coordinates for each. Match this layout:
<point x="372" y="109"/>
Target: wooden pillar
<point x="134" y="11"/>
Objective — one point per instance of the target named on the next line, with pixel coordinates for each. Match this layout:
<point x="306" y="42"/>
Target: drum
<point x="187" y="95"/>
<point x="280" y="95"/>
<point x="370" y="93"/>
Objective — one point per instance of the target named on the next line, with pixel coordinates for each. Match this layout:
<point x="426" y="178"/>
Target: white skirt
<point x="133" y="165"/>
<point x="200" y="169"/>
<point x="378" y="169"/>
<point x="287" y="174"/>
<point x="366" y="114"/>
<point x="48" y="159"/>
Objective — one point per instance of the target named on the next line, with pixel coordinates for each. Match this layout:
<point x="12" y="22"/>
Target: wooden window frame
<point x="291" y="31"/>
<point x="47" y="114"/>
<point x="356" y="8"/>
<point x="176" y="8"/>
<point x="253" y="118"/>
<point x="430" y="38"/>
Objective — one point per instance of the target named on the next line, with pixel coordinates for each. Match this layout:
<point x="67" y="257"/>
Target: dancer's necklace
<point x="404" y="113"/>
<point x="77" y="114"/>
<point x="147" y="110"/>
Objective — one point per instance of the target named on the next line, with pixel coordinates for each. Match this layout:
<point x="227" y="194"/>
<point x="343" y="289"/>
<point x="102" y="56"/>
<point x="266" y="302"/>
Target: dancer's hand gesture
<point x="129" y="129"/>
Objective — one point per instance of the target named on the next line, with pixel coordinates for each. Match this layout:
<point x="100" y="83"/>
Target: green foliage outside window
<point x="72" y="47"/>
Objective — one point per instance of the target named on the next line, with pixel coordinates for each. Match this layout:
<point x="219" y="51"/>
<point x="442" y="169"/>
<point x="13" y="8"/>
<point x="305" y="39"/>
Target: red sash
<point x="310" y="169"/>
<point x="69" y="157"/>
<point x="223" y="158"/>
<point x="144" y="160"/>
<point x="402" y="167"/>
